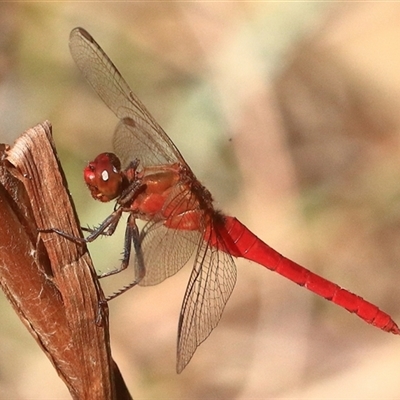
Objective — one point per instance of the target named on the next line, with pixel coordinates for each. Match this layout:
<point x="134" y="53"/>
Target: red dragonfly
<point x="150" y="181"/>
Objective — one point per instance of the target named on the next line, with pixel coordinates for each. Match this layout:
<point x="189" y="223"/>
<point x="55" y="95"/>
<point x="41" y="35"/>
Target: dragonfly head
<point x="103" y="177"/>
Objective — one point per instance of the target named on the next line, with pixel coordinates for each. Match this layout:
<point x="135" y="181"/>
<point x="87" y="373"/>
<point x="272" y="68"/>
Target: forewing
<point x="210" y="286"/>
<point x="133" y="140"/>
<point x="108" y="83"/>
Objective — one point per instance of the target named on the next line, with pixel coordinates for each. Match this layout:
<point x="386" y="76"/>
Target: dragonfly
<point x="149" y="180"/>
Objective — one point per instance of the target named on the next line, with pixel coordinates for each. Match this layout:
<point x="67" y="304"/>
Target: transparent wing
<point x="210" y="286"/>
<point x="137" y="125"/>
<point x="134" y="141"/>
<point x="166" y="251"/>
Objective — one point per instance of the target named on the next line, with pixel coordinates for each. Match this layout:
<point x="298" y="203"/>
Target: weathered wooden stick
<point x="49" y="280"/>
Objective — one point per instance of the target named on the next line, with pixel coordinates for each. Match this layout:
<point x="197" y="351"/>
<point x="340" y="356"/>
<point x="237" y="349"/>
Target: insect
<point x="149" y="180"/>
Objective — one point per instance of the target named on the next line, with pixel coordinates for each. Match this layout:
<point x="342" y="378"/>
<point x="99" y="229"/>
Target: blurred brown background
<point x="289" y="114"/>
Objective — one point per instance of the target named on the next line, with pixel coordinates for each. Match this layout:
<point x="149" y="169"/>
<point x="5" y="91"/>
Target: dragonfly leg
<point x="134" y="188"/>
<point x="107" y="227"/>
<point x="130" y="232"/>
<point x="131" y="236"/>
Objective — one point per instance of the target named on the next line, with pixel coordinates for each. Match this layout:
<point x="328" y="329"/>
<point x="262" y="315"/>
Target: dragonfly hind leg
<point x="131" y="236"/>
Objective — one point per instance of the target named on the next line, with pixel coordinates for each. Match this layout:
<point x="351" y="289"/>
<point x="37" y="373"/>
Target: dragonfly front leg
<point x="132" y="235"/>
<point x="107" y="228"/>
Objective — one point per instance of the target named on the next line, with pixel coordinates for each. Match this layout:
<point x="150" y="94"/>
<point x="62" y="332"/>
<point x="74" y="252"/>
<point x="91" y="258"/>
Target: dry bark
<point x="50" y="280"/>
